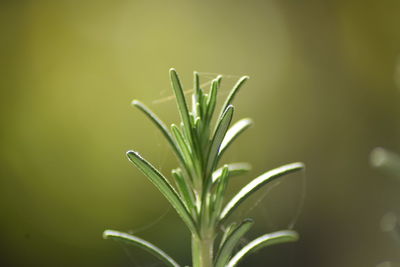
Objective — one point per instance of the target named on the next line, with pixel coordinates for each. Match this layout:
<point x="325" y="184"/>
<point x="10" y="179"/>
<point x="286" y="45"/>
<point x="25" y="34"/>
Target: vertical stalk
<point x="202" y="251"/>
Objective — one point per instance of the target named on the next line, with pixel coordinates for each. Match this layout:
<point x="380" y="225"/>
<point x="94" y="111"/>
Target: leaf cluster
<point x="199" y="184"/>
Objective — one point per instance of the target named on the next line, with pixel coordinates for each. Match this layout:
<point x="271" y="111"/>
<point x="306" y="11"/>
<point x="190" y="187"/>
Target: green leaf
<point x="203" y="102"/>
<point x="233" y="92"/>
<point x="184" y="147"/>
<point x="256" y="184"/>
<point x="164" y="186"/>
<point x="219" y="193"/>
<point x="180" y="100"/>
<point x="200" y="103"/>
<point x="196" y="84"/>
<point x="136" y="241"/>
<point x="219" y="134"/>
<point x="194" y="104"/>
<point x="160" y="125"/>
<point x="227" y="232"/>
<point x="192" y="166"/>
<point x="231" y="242"/>
<point x="185" y="188"/>
<point x="235" y="169"/>
<point x="263" y="241"/>
<point x="212" y="99"/>
<point x="233" y="132"/>
<point x="197" y="95"/>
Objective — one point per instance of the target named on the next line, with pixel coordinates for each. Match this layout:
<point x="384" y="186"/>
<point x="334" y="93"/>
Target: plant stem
<point x="202" y="251"/>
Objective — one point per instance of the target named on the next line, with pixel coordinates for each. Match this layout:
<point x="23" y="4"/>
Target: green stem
<point x="202" y="251"/>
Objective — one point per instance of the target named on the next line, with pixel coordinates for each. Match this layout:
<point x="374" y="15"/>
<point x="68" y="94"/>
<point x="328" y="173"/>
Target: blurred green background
<point x="322" y="91"/>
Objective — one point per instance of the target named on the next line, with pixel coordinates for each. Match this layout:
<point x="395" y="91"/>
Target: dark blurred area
<point x="322" y="90"/>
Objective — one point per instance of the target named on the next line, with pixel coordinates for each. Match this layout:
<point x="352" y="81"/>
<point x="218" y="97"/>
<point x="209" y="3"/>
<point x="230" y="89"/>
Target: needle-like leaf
<point x="219" y="193"/>
<point x="231" y="242"/>
<point x="185" y="189"/>
<point x="263" y="241"/>
<point x="192" y="166"/>
<point x="233" y="168"/>
<point x="195" y="96"/>
<point x="184" y="147"/>
<point x="256" y="184"/>
<point x="196" y="83"/>
<point x="219" y="134"/>
<point x="234" y="131"/>
<point x="136" y="241"/>
<point x="201" y="104"/>
<point x="195" y="106"/>
<point x="212" y="99"/>
<point x="233" y="92"/>
<point x="181" y="101"/>
<point x="164" y="186"/>
<point x="227" y="232"/>
<point x="160" y="125"/>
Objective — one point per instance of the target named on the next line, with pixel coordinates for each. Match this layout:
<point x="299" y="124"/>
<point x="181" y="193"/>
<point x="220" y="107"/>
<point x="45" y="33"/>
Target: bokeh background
<point x="322" y="91"/>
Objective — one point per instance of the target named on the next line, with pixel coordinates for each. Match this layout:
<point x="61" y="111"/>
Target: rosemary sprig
<point x="200" y="185"/>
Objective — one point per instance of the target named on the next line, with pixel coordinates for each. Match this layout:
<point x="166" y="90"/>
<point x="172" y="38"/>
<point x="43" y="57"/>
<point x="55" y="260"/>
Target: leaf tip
<point x="172" y="71"/>
<point x="248" y="220"/>
<point x="300" y="165"/>
<point x="248" y="122"/>
<point x="108" y="233"/>
<point x="290" y="234"/>
<point x="130" y="154"/>
<point x="135" y="102"/>
<point x="229" y="107"/>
